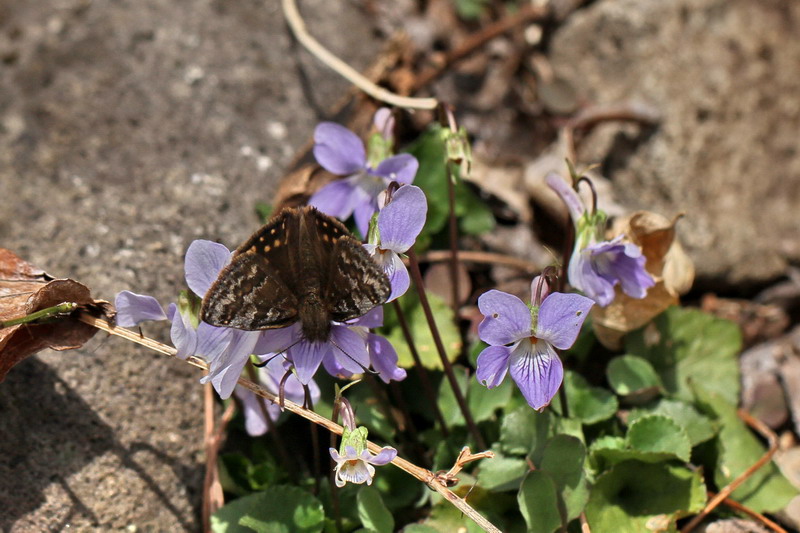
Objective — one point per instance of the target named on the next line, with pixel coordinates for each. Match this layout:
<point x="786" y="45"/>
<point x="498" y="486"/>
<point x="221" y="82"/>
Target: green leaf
<point x="419" y="528"/>
<point x="538" y="503"/>
<point x="563" y="460"/>
<point x="523" y="430"/>
<point x="660" y="435"/>
<point x="629" y="374"/>
<point x="279" y="509"/>
<point x="502" y="473"/>
<point x="430" y="151"/>
<point x="373" y="513"/>
<point x="421" y="333"/>
<point x="650" y="439"/>
<point x="634" y="497"/>
<point x="586" y="403"/>
<point x="483" y="402"/>
<point x="448" y="404"/>
<point x="738" y="448"/>
<point x="699" y="428"/>
<point x="474" y="215"/>
<point x="686" y="345"/>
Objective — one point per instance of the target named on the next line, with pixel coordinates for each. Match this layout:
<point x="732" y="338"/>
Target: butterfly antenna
<point x="282" y="352"/>
<point x="364" y="368"/>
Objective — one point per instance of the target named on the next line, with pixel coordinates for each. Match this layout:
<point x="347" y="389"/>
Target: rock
<point x="721" y="74"/>
<point x="127" y="130"/>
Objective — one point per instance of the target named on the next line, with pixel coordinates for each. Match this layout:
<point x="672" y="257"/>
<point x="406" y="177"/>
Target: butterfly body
<point x="302" y="265"/>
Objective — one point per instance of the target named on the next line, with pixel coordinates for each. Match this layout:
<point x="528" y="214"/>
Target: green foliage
<point x="373" y="512"/>
<point x="685" y="346"/>
<point x="538" y="502"/>
<point x="586" y="403"/>
<point x="279" y="509"/>
<point x="698" y="427"/>
<point x="629" y="374"/>
<point x="420" y="331"/>
<point x="737" y="449"/>
<point x="474" y="215"/>
<point x="563" y="460"/>
<point x="633" y="497"/>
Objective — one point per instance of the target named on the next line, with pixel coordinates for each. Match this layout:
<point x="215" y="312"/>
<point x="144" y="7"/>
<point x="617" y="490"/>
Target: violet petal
<point x="492" y="365"/>
<point x="383" y="357"/>
<point x="401" y="168"/>
<point x="567" y="194"/>
<point x="507" y="318"/>
<point x="204" y="260"/>
<point x="134" y="308"/>
<point x="337" y="199"/>
<point x="386" y="455"/>
<point x="537" y="371"/>
<point x="338" y="149"/>
<point x="306" y="357"/>
<point x="561" y="317"/>
<point x="350" y="349"/>
<point x="401" y="221"/>
<point x="181" y="333"/>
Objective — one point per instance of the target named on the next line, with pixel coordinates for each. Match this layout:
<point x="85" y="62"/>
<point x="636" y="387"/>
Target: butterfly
<point x="302" y="266"/>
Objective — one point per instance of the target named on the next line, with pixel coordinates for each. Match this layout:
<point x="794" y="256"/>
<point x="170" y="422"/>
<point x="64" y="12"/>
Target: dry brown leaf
<point x="669" y="265"/>
<point x="25" y="289"/>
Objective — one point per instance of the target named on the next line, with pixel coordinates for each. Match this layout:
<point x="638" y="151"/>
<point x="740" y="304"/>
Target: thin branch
<point x="416" y="275"/>
<point x="298" y="27"/>
<point x="527" y="13"/>
<point x="422" y="474"/>
<point x="467" y="256"/>
<point x="751" y="513"/>
<point x="422" y="372"/>
<point x="733" y="485"/>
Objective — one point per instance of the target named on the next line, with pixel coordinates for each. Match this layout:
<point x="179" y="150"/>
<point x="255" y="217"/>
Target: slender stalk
<point x="453" y="223"/>
<point x="298" y="27"/>
<point x="422" y="372"/>
<point x="475" y="256"/>
<point x="422" y="474"/>
<point x="252" y="372"/>
<point x="437" y="339"/>
<point x="60" y="309"/>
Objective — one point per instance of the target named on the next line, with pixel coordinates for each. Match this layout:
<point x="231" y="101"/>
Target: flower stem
<point x="252" y="372"/>
<point x="422" y="474"/>
<point x="422" y="372"/>
<point x="437" y="339"/>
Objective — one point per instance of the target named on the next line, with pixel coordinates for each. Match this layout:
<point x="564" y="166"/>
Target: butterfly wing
<point x="356" y="283"/>
<point x="250" y="293"/>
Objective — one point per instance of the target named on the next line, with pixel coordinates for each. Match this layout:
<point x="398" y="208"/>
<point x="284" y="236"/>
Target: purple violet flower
<point x="399" y="224"/>
<point x="270" y="377"/>
<point x="354" y="462"/>
<point x="553" y="321"/>
<point x="341" y="152"/>
<point x="354" y="467"/>
<point x="597" y="266"/>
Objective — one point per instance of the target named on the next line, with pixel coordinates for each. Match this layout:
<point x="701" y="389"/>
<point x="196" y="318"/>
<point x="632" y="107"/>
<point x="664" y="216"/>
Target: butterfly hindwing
<point x="249" y="294"/>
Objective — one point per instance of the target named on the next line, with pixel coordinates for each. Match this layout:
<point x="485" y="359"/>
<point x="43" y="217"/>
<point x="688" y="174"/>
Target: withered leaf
<point x="25" y="289"/>
<point x="669" y="265"/>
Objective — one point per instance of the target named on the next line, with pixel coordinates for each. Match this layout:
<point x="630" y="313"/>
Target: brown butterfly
<point x="302" y="265"/>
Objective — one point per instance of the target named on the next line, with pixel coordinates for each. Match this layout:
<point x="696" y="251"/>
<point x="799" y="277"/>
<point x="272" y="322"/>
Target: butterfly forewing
<point x="304" y="263"/>
<point x="356" y="283"/>
<point x="249" y="295"/>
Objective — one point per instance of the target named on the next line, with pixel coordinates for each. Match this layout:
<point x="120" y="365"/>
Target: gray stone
<point x="724" y="76"/>
<point x="127" y="130"/>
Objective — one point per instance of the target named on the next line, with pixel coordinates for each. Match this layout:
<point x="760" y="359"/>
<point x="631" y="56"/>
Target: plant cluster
<point x="624" y="433"/>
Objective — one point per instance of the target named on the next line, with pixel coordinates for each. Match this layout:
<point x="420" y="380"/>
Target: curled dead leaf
<point x="667" y="262"/>
<point x="25" y="290"/>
